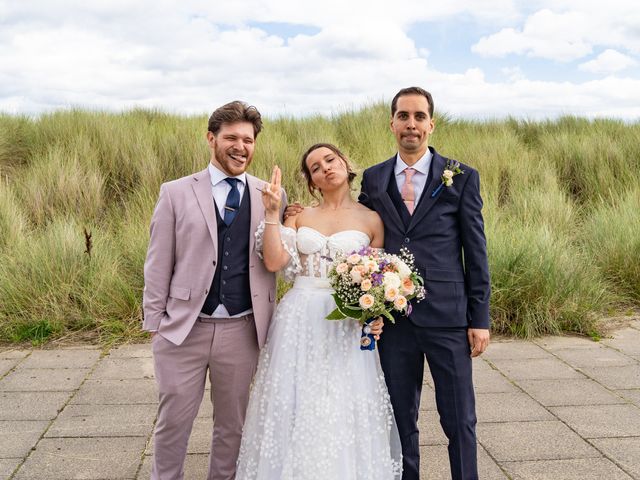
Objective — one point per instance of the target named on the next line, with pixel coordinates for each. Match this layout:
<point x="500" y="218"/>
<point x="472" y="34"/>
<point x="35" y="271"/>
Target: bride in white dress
<point x="319" y="406"/>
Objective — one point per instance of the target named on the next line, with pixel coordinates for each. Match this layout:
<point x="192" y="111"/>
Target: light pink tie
<point x="408" y="194"/>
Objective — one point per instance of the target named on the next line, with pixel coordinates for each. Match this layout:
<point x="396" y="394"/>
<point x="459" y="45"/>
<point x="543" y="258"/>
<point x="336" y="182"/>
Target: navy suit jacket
<point x="446" y="236"/>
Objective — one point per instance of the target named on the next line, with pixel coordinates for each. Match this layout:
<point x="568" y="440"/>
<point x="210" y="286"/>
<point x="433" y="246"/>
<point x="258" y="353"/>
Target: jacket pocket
<point x="180" y="293"/>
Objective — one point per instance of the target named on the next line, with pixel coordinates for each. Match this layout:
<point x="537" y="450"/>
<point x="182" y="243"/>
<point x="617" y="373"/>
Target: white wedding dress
<point x="319" y="406"/>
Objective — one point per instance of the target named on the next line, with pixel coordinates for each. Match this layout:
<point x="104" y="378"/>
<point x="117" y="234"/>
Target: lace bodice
<point x="312" y="252"/>
<point x="317" y="251"/>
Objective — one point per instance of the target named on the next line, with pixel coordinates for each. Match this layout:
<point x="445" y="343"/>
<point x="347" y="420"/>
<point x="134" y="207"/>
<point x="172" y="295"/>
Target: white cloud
<point x="567" y="30"/>
<point x="545" y="34"/>
<point x="609" y="61"/>
<point x="193" y="56"/>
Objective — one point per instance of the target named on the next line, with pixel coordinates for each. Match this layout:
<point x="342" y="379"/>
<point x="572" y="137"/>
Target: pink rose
<point x="366" y="301"/>
<point x="342" y="268"/>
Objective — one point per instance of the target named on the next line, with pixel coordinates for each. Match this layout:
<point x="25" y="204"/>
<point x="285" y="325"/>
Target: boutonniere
<point x="451" y="169"/>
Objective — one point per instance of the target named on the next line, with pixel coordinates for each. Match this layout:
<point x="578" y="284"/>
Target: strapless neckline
<point x="335" y="233"/>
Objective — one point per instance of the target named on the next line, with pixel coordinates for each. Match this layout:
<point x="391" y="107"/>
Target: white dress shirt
<point x="419" y="179"/>
<point x="221" y="189"/>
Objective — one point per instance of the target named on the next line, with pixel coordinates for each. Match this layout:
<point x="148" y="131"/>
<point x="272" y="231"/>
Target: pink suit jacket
<point x="182" y="256"/>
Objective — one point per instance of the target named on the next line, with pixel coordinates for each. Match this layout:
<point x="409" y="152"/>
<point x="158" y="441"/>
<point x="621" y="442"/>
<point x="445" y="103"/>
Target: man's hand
<point x="293" y="209"/>
<point x="376" y="328"/>
<point x="478" y="340"/>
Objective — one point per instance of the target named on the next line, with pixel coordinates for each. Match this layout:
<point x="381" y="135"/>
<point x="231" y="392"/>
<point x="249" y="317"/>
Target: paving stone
<point x="514" y="350"/>
<point x="19" y="436"/>
<point x="195" y="466"/>
<point x="492" y="381"/>
<point x="8" y="465"/>
<point x="68" y="358"/>
<point x="434" y="464"/>
<point x="509" y="407"/>
<point x="206" y="407"/>
<point x="598" y="356"/>
<point x="631" y="395"/>
<point x="83" y="458"/>
<point x="43" y="380"/>
<point x="601" y="420"/>
<point x="133" y="350"/>
<point x="104" y="421"/>
<point x="544" y="440"/>
<point x="624" y="451"/>
<point x="562" y="342"/>
<point x="626" y="340"/>
<point x="7" y="364"/>
<point x="13" y="353"/>
<point x="624" y="377"/>
<point x="430" y="430"/>
<point x="125" y="368"/>
<point x="199" y="440"/>
<point x="536" y="368"/>
<point x="572" y="469"/>
<point x="112" y="391"/>
<point x="569" y="391"/>
<point x="427" y="398"/>
<point x="31" y="405"/>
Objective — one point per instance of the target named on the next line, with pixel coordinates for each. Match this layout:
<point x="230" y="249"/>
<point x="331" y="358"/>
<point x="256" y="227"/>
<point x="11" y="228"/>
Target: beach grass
<point x="77" y="189"/>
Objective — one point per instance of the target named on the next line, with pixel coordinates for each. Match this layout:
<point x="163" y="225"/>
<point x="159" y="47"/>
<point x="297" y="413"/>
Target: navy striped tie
<point x="233" y="201"/>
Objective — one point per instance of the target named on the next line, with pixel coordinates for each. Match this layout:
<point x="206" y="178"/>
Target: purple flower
<point x="377" y="278"/>
<point x="409" y="308"/>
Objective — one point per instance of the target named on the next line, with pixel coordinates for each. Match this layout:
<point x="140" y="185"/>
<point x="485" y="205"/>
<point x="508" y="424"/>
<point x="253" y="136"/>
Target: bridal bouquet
<point x="369" y="283"/>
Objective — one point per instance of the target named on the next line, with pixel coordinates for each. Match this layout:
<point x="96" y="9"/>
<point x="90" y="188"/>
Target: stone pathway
<point x="553" y="408"/>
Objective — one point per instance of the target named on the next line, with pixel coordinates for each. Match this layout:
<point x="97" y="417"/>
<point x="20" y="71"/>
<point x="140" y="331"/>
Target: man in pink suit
<point x="208" y="299"/>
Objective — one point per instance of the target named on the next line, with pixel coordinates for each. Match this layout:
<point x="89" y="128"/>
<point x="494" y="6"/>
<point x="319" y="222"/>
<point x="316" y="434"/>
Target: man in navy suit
<point x="432" y="206"/>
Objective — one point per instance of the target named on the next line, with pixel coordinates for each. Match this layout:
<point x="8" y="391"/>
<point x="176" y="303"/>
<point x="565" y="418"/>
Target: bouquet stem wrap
<point x="367" y="342"/>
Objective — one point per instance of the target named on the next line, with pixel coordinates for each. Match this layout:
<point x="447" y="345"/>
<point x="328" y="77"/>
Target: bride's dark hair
<point x="307" y="174"/>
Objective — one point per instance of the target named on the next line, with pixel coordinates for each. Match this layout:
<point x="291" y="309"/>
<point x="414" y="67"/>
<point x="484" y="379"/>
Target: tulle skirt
<point x="319" y="406"/>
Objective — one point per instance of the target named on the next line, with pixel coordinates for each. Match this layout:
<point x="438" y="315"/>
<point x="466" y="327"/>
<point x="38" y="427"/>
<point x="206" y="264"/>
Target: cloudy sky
<point x="480" y="59"/>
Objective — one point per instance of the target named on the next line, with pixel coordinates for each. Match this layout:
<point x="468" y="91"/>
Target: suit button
<point x="226" y="254"/>
<point x="222" y="296"/>
<point x="225" y="267"/>
<point x="224" y="282"/>
<point x="228" y="239"/>
<point x="406" y="240"/>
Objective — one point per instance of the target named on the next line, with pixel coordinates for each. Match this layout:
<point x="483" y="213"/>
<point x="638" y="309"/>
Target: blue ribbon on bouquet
<point x="367" y="342"/>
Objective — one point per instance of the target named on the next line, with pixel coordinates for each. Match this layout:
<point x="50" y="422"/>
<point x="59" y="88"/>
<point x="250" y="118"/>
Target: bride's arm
<point x="275" y="256"/>
<point x="377" y="231"/>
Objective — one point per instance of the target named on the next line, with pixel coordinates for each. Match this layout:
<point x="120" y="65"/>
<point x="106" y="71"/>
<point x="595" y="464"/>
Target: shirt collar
<point x="421" y="165"/>
<point x="218" y="175"/>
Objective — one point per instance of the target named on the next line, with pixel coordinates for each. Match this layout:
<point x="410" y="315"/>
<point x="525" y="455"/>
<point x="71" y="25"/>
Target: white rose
<point x="391" y="279"/>
<point x="367" y="301"/>
<point x="448" y="182"/>
<point x="403" y="270"/>
<point x="448" y="174"/>
<point x="356" y="276"/>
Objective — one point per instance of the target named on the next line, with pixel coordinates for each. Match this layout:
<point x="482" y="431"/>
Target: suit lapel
<point x="257" y="208"/>
<point x="204" y="195"/>
<point x="427" y="201"/>
<point x="386" y="176"/>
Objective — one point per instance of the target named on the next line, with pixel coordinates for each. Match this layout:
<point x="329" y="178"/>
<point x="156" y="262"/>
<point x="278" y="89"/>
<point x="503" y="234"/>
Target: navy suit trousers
<point x="403" y="348"/>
